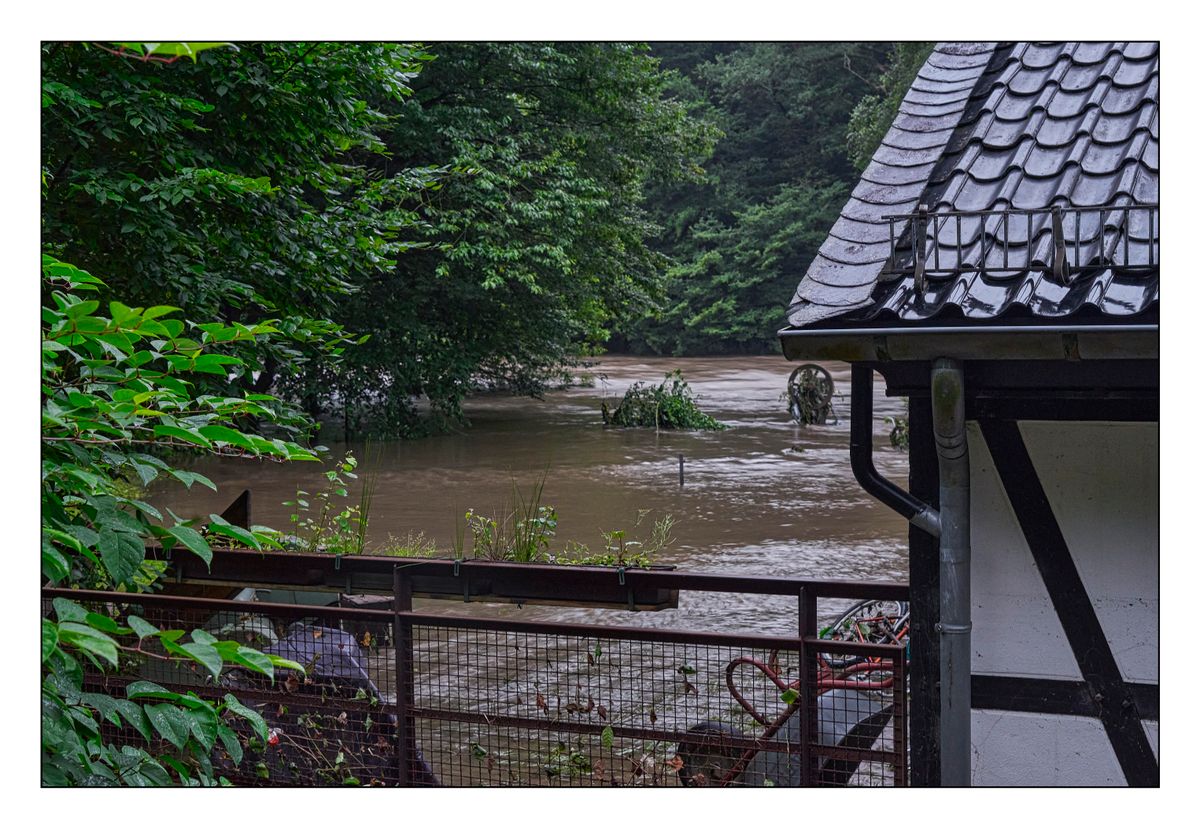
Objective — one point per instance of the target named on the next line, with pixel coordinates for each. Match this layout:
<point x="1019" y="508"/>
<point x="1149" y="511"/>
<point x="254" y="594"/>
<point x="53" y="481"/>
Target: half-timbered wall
<point x="1053" y="708"/>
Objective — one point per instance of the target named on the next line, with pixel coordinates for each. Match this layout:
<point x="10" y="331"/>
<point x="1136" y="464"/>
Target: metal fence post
<point x="900" y="720"/>
<point x="402" y="660"/>
<point x="808" y="687"/>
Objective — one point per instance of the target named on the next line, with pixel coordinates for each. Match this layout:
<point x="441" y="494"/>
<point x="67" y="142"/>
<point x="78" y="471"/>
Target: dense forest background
<point x="419" y="221"/>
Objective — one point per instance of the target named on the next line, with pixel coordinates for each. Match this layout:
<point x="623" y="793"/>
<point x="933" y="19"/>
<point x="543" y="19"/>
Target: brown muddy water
<point x="765" y="497"/>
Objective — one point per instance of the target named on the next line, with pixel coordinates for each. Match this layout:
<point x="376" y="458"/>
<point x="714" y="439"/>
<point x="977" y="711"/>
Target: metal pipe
<point x="895" y="331"/>
<point x="954" y="625"/>
<point x="862" y="448"/>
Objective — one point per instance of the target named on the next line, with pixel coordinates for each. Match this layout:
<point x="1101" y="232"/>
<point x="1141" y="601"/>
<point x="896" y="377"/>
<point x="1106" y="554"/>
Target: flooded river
<point x="765" y="496"/>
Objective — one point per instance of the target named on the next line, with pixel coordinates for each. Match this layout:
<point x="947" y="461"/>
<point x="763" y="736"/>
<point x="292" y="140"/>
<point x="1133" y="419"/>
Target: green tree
<point x="740" y="239"/>
<point x="534" y="243"/>
<point x="234" y="185"/>
<point x="873" y="115"/>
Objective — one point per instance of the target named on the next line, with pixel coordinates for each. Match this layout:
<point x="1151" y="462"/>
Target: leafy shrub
<point x="118" y="397"/>
<point x="669" y="405"/>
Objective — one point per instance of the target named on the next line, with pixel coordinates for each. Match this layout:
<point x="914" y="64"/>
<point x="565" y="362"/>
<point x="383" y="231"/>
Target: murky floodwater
<point x="763" y="497"/>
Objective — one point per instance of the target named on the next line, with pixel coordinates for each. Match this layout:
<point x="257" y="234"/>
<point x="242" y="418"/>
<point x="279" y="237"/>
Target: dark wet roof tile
<point x="1038" y="55"/>
<point x="987" y="127"/>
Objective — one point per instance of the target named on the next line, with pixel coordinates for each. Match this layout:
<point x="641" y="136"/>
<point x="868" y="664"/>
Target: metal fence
<point x="415" y="698"/>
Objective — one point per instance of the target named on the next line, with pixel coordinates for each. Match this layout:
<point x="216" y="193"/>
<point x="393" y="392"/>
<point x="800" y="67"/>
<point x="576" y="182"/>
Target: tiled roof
<point x="989" y="127"/>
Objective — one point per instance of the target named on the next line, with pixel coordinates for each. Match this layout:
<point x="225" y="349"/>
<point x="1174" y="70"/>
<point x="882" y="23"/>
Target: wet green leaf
<point x="192" y="540"/>
<point x="170" y="722"/>
<point x="250" y="715"/>
<point x="49" y="638"/>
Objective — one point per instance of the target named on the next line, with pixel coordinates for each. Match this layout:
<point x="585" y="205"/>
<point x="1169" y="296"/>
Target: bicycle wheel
<point x="872" y="621"/>
<point x="810" y="394"/>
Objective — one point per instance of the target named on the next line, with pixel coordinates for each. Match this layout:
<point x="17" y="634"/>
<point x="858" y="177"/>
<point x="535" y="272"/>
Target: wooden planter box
<point x="473" y="580"/>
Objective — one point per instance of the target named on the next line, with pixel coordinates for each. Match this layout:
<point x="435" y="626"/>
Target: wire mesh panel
<point x="549" y="705"/>
<point x="403" y="698"/>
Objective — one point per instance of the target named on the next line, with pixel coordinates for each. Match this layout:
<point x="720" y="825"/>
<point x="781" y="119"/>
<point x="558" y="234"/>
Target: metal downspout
<point x="918" y="513"/>
<point x="954" y="627"/>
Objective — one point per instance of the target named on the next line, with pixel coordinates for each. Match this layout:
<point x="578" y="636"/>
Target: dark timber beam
<point x="1117" y="707"/>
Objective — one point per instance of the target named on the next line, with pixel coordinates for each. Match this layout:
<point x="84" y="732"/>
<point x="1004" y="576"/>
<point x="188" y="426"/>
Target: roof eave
<point x="1113" y="341"/>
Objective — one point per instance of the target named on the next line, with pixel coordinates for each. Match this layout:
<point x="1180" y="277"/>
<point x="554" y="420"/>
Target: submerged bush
<point x="669" y="405"/>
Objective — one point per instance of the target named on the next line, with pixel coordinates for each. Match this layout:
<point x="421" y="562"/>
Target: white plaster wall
<point x="1014" y="748"/>
<point x="1102" y="482"/>
<point x="1014" y="628"/>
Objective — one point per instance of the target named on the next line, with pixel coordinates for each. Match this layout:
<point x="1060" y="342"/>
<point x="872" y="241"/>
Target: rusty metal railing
<point x="412" y="697"/>
<point x="1060" y="241"/>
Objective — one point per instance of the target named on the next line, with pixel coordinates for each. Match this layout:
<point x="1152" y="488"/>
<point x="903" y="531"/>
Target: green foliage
<point x="235" y="184"/>
<point x="523" y="532"/>
<point x="413" y="545"/>
<point x="319" y="526"/>
<point x="525" y="529"/>
<point x="669" y="405"/>
<point x="119" y="398"/>
<point x="620" y="550"/>
<point x="170" y="51"/>
<point x="181" y="732"/>
<point x="535" y="239"/>
<point x="873" y="115"/>
<point x="741" y="239"/>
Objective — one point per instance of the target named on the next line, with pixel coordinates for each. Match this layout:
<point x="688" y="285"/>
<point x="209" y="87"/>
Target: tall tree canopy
<point x="233" y="186"/>
<point x="423" y="219"/>
<point x="286" y="180"/>
<point x="741" y="239"/>
<point x="535" y="241"/>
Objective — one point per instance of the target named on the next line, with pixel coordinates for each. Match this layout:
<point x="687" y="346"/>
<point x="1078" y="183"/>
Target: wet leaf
<point x="606" y="737"/>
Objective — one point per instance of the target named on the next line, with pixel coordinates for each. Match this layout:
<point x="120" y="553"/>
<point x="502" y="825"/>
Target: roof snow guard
<point x="1032" y="169"/>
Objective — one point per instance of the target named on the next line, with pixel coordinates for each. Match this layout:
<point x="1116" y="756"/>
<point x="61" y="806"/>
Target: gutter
<point x="973" y="342"/>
